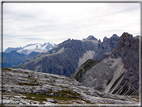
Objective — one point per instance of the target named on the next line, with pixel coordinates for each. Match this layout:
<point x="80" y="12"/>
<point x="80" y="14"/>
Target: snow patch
<point x="61" y="50"/>
<point x="36" y="48"/>
<point x="88" y="55"/>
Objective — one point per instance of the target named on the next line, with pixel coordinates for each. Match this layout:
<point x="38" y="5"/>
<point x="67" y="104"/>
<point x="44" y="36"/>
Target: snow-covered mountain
<point x="32" y="48"/>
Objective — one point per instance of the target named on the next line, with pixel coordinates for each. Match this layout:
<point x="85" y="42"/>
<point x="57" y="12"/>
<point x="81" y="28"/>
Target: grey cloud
<point x="33" y="23"/>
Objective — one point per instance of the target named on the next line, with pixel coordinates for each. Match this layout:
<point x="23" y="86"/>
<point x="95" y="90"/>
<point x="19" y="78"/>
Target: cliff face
<point x="119" y="72"/>
<point x="63" y="59"/>
<point x="105" y="48"/>
<point x="127" y="49"/>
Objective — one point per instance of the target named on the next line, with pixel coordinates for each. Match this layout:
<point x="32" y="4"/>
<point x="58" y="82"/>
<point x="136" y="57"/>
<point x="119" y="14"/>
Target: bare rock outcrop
<point x="119" y="72"/>
<point x="25" y="87"/>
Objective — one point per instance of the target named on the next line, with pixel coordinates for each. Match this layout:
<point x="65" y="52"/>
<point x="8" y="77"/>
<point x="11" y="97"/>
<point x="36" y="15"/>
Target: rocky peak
<point x="119" y="72"/>
<point x="105" y="39"/>
<point x="105" y="48"/>
<point x="127" y="48"/>
<point x="66" y="41"/>
<point x="124" y="43"/>
<point x="91" y="37"/>
<point x="99" y="40"/>
<point x="114" y="37"/>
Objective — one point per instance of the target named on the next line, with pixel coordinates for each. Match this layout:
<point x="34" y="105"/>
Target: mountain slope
<point x="14" y="58"/>
<point x="119" y="72"/>
<point x="83" y="68"/>
<point x="105" y="48"/>
<point x="128" y="49"/>
<point x="63" y="59"/>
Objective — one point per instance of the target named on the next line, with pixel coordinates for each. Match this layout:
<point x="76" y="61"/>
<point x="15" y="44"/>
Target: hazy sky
<point x="27" y="23"/>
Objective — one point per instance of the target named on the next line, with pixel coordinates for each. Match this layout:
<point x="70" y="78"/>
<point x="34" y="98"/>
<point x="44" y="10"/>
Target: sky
<point x="28" y="23"/>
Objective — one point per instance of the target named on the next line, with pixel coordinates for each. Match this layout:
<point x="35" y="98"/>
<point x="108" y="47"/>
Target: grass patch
<point x="86" y="66"/>
<point x="33" y="82"/>
<point x="67" y="93"/>
<point x="36" y="97"/>
<point x="14" y="71"/>
<point x="79" y="75"/>
<point x="29" y="84"/>
<point x="64" y="95"/>
<point x="89" y="63"/>
<point x="135" y="97"/>
<point x="7" y="69"/>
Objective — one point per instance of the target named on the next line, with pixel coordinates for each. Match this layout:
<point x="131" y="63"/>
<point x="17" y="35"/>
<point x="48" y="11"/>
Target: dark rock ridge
<point x="119" y="72"/>
<point x="25" y="87"/>
<point x="128" y="49"/>
<point x="63" y="59"/>
<point x="14" y="58"/>
<point x="105" y="48"/>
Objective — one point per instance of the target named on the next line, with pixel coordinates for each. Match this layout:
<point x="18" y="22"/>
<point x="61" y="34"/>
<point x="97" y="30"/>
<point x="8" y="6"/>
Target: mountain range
<point x="63" y="59"/>
<point x="118" y="73"/>
<point x="67" y="56"/>
<point x="14" y="56"/>
<point x="32" y="48"/>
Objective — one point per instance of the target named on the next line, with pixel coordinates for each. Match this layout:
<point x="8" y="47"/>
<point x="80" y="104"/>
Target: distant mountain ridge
<point x="105" y="47"/>
<point x="32" y="48"/>
<point x="65" y="57"/>
<point x="14" y="58"/>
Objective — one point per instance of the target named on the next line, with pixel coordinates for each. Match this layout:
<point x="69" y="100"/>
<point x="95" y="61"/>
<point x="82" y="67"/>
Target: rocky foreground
<point x="25" y="87"/>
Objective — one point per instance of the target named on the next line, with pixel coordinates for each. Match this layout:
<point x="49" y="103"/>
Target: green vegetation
<point x="86" y="66"/>
<point x="79" y="75"/>
<point x="36" y="97"/>
<point x="29" y="84"/>
<point x="14" y="71"/>
<point x="64" y="95"/>
<point x="89" y="63"/>
<point x="135" y="98"/>
<point x="7" y="69"/>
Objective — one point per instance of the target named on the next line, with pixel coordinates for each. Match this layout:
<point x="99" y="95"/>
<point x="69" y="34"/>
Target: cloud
<point x="25" y="23"/>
